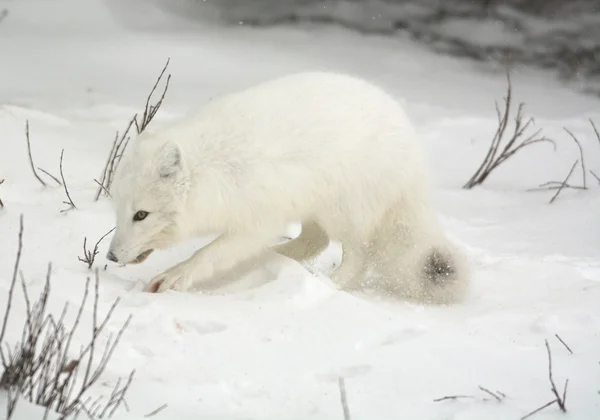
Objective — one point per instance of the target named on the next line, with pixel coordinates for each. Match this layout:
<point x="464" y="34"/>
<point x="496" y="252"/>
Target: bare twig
<point x="151" y="110"/>
<point x="13" y="398"/>
<point x="121" y="141"/>
<point x="11" y="288"/>
<point x="64" y="183"/>
<point x="559" y="400"/>
<point x="155" y="412"/>
<point x="497" y="155"/>
<point x="102" y="187"/>
<point x="39" y="368"/>
<point x="595" y="129"/>
<point x="55" y="179"/>
<point x="453" y="397"/>
<point x="555" y="185"/>
<point x="1" y="203"/>
<point x="114" y="157"/>
<point x="343" y="398"/>
<point x="537" y="410"/>
<point x="563" y="343"/>
<point x="30" y="155"/>
<point x="90" y="255"/>
<point x="564" y="183"/>
<point x="497" y="397"/>
<point x="581" y="157"/>
<point x="598" y="137"/>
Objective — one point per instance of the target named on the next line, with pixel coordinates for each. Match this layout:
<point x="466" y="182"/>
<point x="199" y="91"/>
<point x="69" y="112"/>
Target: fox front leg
<point x="222" y="254"/>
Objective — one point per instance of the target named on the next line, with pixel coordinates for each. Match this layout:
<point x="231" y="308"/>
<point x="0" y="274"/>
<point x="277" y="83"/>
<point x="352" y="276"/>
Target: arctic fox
<point x="330" y="151"/>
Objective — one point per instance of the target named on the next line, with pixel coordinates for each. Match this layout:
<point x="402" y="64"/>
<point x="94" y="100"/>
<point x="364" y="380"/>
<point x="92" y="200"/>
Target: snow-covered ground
<point x="272" y="345"/>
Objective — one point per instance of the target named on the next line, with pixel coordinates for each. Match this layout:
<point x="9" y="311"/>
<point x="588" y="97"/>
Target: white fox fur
<point x="328" y="150"/>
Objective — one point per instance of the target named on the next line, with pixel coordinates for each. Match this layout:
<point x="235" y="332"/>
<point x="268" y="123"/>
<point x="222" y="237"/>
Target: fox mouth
<point x="142" y="257"/>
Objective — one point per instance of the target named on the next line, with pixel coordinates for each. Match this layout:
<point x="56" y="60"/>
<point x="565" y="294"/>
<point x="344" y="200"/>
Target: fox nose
<point x="111" y="256"/>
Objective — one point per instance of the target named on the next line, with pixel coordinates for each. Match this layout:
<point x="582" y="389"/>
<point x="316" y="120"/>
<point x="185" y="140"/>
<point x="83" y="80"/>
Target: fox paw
<point x="172" y="279"/>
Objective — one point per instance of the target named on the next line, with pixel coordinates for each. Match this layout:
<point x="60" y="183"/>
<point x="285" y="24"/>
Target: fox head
<point x="149" y="197"/>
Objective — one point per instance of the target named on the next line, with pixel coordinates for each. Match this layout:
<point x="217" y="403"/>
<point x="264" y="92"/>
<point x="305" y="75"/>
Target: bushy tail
<point x="416" y="261"/>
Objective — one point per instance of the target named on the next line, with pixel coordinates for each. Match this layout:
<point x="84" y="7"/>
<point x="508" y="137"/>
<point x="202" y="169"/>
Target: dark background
<point x="561" y="35"/>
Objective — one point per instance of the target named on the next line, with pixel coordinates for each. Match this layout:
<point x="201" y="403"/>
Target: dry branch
<point x="558" y="398"/>
<point x="581" y="157"/>
<point x="343" y="398"/>
<point x="40" y="368"/>
<point x="598" y="137"/>
<point x="30" y="155"/>
<point x="90" y="255"/>
<point x="453" y="397"/>
<point x="156" y="411"/>
<point x="122" y="140"/>
<point x="564" y="183"/>
<point x="55" y="179"/>
<point x="12" y="288"/>
<point x="498" y="395"/>
<point x="561" y="401"/>
<point x="151" y="110"/>
<point x="103" y="188"/>
<point x="563" y="343"/>
<point x="1" y="203"/>
<point x="64" y="183"/>
<point x="557" y="185"/>
<point x="496" y="154"/>
<point x="537" y="410"/>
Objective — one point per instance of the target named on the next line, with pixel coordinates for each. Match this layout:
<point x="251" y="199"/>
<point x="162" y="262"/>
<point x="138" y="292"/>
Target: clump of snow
<point x="272" y="344"/>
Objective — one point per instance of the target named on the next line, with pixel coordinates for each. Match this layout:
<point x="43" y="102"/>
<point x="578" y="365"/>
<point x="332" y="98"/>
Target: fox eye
<point x="140" y="215"/>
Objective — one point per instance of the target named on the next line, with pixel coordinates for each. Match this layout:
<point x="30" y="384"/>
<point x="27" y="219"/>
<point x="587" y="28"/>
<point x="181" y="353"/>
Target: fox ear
<point x="170" y="160"/>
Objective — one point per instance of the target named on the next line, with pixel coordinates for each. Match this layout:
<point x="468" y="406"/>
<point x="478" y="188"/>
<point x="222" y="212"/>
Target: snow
<point x="272" y="344"/>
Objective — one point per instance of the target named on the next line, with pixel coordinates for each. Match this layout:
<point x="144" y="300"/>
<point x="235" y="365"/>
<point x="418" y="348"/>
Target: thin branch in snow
<point x="90" y="255"/>
<point x="64" y="183"/>
<point x="498" y="154"/>
<point x="30" y="155"/>
<point x="11" y="288"/>
<point x="561" y="401"/>
<point x="595" y="129"/>
<point x="121" y="141"/>
<point x="581" y="157"/>
<point x="343" y="398"/>
<point x="453" y="397"/>
<point x="598" y="137"/>
<point x="55" y="179"/>
<point x="40" y="368"/>
<point x="1" y="203"/>
<point x="564" y="183"/>
<point x="558" y="398"/>
<point x="537" y="410"/>
<point x="102" y="187"/>
<point x="155" y="412"/>
<point x="563" y="343"/>
<point x="149" y="109"/>
<point x="498" y="396"/>
<point x="557" y="185"/>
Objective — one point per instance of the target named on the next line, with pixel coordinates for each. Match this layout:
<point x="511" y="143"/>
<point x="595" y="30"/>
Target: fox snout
<point x="111" y="256"/>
